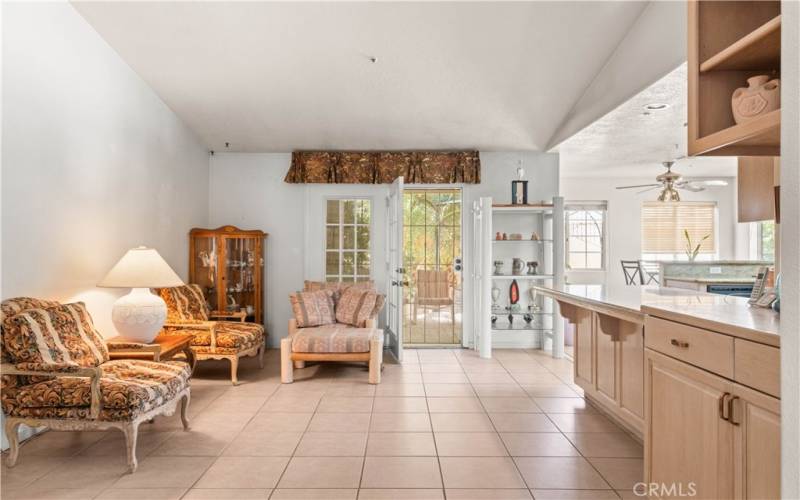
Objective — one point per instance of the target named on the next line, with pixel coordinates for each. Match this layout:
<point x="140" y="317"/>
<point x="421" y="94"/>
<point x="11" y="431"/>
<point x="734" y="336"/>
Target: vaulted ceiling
<point x="295" y="75"/>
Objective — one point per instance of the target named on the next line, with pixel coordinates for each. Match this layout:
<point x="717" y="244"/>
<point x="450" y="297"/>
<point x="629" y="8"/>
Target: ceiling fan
<point x="670" y="182"/>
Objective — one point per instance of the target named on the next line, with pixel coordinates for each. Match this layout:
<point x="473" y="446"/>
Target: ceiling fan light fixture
<point x="669" y="194"/>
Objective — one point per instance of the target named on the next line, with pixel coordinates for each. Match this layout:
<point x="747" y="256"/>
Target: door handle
<point x="731" y="409"/>
<point x="722" y="406"/>
<point x="399" y="283"/>
<point x="679" y="343"/>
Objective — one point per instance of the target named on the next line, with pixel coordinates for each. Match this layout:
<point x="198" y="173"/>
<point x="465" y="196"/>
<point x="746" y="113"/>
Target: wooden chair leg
<point x="131" y="432"/>
<point x="184" y="407"/>
<point x="12" y="434"/>
<point x="287" y="368"/>
<point x="234" y="369"/>
<point x="375" y="360"/>
<point x="299" y="364"/>
<point x="261" y="355"/>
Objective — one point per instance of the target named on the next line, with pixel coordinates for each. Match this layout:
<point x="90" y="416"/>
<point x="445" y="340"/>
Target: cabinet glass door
<point x="241" y="264"/>
<point x="205" y="264"/>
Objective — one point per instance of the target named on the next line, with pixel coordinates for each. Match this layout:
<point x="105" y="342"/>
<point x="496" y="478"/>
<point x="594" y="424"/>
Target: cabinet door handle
<point x="722" y="406"/>
<point x="731" y="409"/>
<point x="679" y="343"/>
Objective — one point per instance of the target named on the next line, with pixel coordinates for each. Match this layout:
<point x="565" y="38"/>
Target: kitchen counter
<point x="712" y="281"/>
<point x="721" y="313"/>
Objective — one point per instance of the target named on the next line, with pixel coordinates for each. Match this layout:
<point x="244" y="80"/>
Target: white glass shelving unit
<point x="535" y="324"/>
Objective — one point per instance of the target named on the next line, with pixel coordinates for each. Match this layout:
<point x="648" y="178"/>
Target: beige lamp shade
<point x="141" y="267"/>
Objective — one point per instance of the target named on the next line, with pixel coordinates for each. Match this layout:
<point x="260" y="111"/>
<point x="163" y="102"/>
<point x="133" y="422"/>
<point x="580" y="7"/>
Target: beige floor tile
<point x="49" y="494"/>
<point x="564" y="405"/>
<point x="401" y="494"/>
<point x="340" y="422"/>
<point x="522" y="422"/>
<point x="322" y="472"/>
<point x="166" y="472"/>
<point x="441" y="368"/>
<point x="499" y="390"/>
<point x="140" y="493"/>
<point x="560" y="473"/>
<point x="451" y="390"/>
<point x="27" y="470"/>
<point x="461" y="422"/>
<point x="601" y="444"/>
<point x="480" y="472"/>
<point x="536" y="379"/>
<point x="345" y="404"/>
<point x="114" y="444"/>
<point x="400" y="422"/>
<point x="579" y="422"/>
<point x="629" y="494"/>
<point x="407" y="390"/>
<point x="491" y="378"/>
<point x="538" y="444"/>
<point x="621" y="473"/>
<point x="455" y="405"/>
<point x="261" y="388"/>
<point x="61" y="444"/>
<point x="574" y="495"/>
<point x="488" y="494"/>
<point x="315" y="494"/>
<point x="226" y="494"/>
<point x="243" y="472"/>
<point x="332" y="444"/>
<point x="469" y="444"/>
<point x="292" y="403"/>
<point x="405" y="377"/>
<point x="279" y="422"/>
<point x="509" y="405"/>
<point x="237" y="404"/>
<point x="436" y="356"/>
<point x="550" y="391"/>
<point x="401" y="472"/>
<point x="263" y="444"/>
<point x="400" y="405"/>
<point x="401" y="444"/>
<point x="445" y="378"/>
<point x="87" y="473"/>
<point x="197" y="442"/>
<point x="351" y="389"/>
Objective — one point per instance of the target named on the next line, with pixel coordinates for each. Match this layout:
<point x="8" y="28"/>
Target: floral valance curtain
<point x="373" y="167"/>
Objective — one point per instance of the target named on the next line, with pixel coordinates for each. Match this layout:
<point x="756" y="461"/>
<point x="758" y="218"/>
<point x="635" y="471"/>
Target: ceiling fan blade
<point x="691" y="187"/>
<point x="639" y="186"/>
<point x="648" y="189"/>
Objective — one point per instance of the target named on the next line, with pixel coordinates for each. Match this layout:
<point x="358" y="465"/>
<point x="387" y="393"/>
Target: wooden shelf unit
<point x="729" y="42"/>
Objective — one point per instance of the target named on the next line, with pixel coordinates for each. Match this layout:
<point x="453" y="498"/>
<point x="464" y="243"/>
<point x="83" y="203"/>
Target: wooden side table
<point x="163" y="348"/>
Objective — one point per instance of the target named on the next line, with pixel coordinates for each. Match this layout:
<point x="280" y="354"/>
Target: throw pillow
<point x="184" y="303"/>
<point x="313" y="308"/>
<point x="357" y="305"/>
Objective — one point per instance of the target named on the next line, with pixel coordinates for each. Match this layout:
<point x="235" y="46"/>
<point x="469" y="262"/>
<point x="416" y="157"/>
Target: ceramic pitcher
<point x="761" y="96"/>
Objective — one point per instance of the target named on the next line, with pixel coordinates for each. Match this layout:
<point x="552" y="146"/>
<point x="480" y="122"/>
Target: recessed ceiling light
<point x="656" y="106"/>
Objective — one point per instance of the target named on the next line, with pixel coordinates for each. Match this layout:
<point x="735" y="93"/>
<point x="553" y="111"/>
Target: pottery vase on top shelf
<point x="517" y="266"/>
<point x="760" y="97"/>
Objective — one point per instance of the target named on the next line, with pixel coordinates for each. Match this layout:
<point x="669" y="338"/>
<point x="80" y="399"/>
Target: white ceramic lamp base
<point x="139" y="315"/>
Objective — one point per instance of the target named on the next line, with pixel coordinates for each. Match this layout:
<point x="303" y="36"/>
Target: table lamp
<point x="140" y="315"/>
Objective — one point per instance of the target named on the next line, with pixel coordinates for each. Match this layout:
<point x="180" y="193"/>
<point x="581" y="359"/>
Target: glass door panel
<point x="205" y="264"/>
<point x="432" y="258"/>
<point x="241" y="256"/>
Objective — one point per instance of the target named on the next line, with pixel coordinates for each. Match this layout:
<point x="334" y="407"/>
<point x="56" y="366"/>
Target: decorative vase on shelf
<point x="498" y="268"/>
<point x="517" y="266"/>
<point x="532" y="265"/>
<point x="513" y="292"/>
<point x="495" y="295"/>
<point x="761" y="96"/>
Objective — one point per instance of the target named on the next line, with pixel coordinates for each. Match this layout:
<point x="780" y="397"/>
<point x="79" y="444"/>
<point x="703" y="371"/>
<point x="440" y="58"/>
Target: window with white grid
<point x="348" y="240"/>
<point x="585" y="235"/>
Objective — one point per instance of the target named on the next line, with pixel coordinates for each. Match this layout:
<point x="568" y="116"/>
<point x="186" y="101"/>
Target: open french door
<point x="395" y="275"/>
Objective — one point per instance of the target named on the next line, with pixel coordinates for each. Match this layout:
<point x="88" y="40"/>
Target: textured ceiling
<point x="296" y="75"/>
<point x="627" y="142"/>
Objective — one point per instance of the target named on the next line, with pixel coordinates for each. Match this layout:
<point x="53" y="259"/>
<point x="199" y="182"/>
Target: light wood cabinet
<point x="584" y="347"/>
<point x="729" y="42"/>
<point x="756" y="181"/>
<point x="228" y="264"/>
<point x="705" y="429"/>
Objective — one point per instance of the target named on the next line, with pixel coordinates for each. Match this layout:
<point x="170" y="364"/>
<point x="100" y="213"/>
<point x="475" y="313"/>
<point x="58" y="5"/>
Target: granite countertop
<point x="721" y="313"/>
<point x="712" y="281"/>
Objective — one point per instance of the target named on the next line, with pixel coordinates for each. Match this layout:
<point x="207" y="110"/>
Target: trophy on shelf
<point x="519" y="188"/>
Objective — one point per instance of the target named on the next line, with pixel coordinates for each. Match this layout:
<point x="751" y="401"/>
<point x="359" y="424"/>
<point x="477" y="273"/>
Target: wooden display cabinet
<point x="729" y="42"/>
<point x="228" y="264"/>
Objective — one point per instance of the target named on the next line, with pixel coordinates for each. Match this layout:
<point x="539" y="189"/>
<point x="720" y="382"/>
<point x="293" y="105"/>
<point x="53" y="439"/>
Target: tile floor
<point x="445" y="424"/>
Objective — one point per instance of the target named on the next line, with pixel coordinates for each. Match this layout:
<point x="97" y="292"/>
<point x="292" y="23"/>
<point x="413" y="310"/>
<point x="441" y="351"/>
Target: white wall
<point x="93" y="162"/>
<point x="624" y="223"/>
<point x="247" y="190"/>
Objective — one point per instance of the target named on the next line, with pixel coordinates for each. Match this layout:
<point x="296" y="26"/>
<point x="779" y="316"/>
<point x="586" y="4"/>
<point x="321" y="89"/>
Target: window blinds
<point x="663" y="225"/>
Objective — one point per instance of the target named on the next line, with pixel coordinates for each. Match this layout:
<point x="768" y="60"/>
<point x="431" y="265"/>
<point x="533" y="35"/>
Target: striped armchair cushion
<point x="337" y="287"/>
<point x="335" y="338"/>
<point x="357" y="305"/>
<point x="11" y="307"/>
<point x="58" y="338"/>
<point x="313" y="308"/>
<point x="184" y="303"/>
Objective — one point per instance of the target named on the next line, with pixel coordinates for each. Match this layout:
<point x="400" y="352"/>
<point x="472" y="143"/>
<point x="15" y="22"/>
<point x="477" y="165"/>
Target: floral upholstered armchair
<point x="188" y="313"/>
<point x="334" y="322"/>
<point x="56" y="373"/>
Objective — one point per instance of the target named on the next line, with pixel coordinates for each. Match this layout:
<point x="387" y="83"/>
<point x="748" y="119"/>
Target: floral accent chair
<point x="334" y="322"/>
<point x="188" y="313"/>
<point x="56" y="373"/>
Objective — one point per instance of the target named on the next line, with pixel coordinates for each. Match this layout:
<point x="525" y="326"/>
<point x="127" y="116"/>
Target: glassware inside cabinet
<point x="241" y="264"/>
<point x="205" y="262"/>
